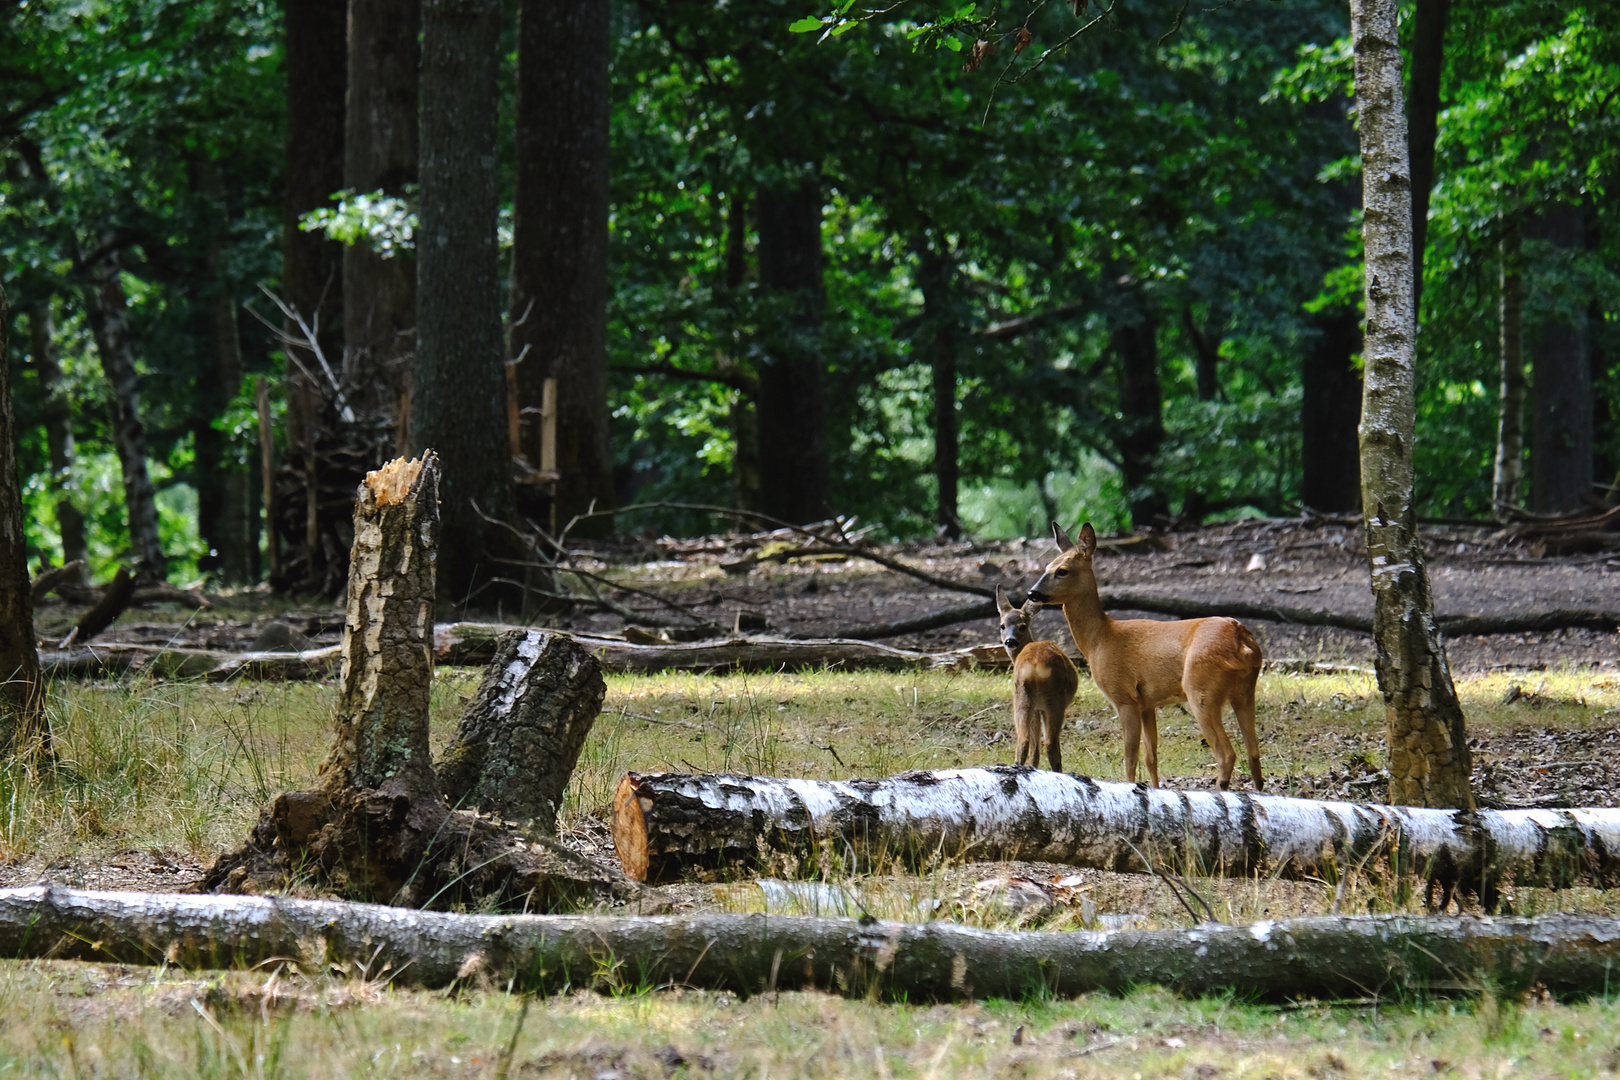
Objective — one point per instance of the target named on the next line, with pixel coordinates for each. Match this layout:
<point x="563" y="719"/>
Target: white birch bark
<point x="1320" y="957"/>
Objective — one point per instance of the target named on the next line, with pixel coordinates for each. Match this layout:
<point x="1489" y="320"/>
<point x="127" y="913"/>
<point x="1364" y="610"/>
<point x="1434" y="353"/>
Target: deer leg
<point x="1025" y="754"/>
<point x="1150" y="743"/>
<point x="1243" y="706"/>
<point x="1207" y="704"/>
<point x="1054" y="735"/>
<point x="1130" y="726"/>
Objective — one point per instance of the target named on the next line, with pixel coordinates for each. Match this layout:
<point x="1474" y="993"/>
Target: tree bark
<point x="1505" y="480"/>
<point x="795" y="477"/>
<point x="379" y="154"/>
<point x="459" y="400"/>
<point x="667" y="823"/>
<point x="560" y="242"/>
<point x="941" y="338"/>
<point x="1135" y="342"/>
<point x="1310" y="958"/>
<point x="1428" y="64"/>
<point x="316" y="61"/>
<point x="1330" y="410"/>
<point x="104" y="304"/>
<point x="229" y="523"/>
<point x="1206" y="358"/>
<point x="59" y="442"/>
<point x="1428" y="744"/>
<point x="515" y="747"/>
<point x="1561" y="382"/>
<point x="22" y="695"/>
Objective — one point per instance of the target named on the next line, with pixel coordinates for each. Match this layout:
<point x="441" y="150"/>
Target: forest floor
<point x="156" y="778"/>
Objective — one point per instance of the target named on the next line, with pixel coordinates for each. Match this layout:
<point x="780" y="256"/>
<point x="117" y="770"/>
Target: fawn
<point x="1141" y="665"/>
<point x="1044" y="682"/>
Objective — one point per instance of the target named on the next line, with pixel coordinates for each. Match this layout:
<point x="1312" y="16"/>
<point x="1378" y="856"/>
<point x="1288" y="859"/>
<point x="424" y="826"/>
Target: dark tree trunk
<point x="1135" y="343"/>
<point x="104" y="304"/>
<point x="560" y="236"/>
<point x="514" y="751"/>
<point x="234" y="531"/>
<point x="459" y="403"/>
<point x="379" y="154"/>
<point x="21" y="692"/>
<point x="1561" y="380"/>
<point x="940" y="337"/>
<point x="1206" y="358"/>
<point x="1329" y="412"/>
<point x="58" y="415"/>
<point x="311" y="266"/>
<point x="794" y="471"/>
<point x="744" y="416"/>
<point x="1423" y="111"/>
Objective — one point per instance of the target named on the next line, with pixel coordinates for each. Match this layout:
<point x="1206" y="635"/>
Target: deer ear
<point x="1062" y="538"/>
<point x="1030" y="609"/>
<point x="1088" y="540"/>
<point x="1002" y="606"/>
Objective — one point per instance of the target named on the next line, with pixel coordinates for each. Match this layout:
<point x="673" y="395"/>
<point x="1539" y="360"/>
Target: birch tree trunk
<point x="664" y="823"/>
<point x="515" y="748"/>
<point x="105" y="305"/>
<point x="1428" y="745"/>
<point x="1321" y="957"/>
<point x="21" y="692"/>
<point x="1505" y="481"/>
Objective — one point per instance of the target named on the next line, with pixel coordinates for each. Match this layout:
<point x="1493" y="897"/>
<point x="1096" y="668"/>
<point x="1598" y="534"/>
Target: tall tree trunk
<point x="311" y="265"/>
<point x="105" y="305"/>
<point x="1135" y="342"/>
<point x="1561" y="383"/>
<point x="59" y="442"/>
<point x="1330" y="410"/>
<point x="940" y="337"/>
<point x="235" y="531"/>
<point x="743" y="416"/>
<point x="379" y="154"/>
<point x="795" y="475"/>
<point x="560" y="240"/>
<point x="1428" y="745"/>
<point x="1206" y="357"/>
<point x="1428" y="63"/>
<point x="459" y="403"/>
<point x="21" y="691"/>
<point x="1505" y="481"/>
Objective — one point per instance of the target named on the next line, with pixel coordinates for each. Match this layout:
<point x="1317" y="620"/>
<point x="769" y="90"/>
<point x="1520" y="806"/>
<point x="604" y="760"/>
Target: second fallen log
<point x="666" y="823"/>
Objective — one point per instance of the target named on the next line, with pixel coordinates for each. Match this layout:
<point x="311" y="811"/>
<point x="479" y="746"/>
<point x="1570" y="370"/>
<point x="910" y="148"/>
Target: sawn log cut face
<point x="667" y="823"/>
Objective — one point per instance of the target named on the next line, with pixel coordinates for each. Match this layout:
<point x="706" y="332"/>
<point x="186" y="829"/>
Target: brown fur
<point x="1142" y="665"/>
<point x="1044" y="683"/>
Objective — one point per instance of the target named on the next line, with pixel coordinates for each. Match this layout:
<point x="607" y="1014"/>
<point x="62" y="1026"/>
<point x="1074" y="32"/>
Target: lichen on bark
<point x="1428" y="746"/>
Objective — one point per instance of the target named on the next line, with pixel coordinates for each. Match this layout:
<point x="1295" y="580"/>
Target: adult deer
<point x="1044" y="682"/>
<point x="1141" y="665"/>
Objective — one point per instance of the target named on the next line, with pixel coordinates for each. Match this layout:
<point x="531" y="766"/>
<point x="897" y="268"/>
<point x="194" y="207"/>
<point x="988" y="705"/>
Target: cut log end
<point x="630" y="830"/>
<point x="393" y="482"/>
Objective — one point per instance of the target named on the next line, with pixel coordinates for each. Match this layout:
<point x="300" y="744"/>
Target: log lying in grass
<point x="1323" y="957"/>
<point x="664" y="823"/>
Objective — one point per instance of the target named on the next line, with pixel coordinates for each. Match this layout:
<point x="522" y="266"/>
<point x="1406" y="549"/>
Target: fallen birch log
<point x="1322" y="957"/>
<point x="665" y="823"/>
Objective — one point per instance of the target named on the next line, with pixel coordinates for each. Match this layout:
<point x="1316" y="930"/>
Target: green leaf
<point x="844" y="27"/>
<point x="954" y="44"/>
<point x="805" y="25"/>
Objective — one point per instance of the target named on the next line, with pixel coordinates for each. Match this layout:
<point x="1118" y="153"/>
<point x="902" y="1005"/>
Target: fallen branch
<point x="114" y="599"/>
<point x="49" y="579"/>
<point x="666" y="823"/>
<point x="1321" y="957"/>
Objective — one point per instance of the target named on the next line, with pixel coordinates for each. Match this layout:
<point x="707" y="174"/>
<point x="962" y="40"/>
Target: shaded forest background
<point x="967" y="287"/>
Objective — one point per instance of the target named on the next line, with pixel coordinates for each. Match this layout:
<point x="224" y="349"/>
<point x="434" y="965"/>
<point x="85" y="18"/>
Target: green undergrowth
<point x="84" y="1020"/>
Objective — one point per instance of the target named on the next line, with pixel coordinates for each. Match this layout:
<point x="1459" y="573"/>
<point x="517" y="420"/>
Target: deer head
<point x="1068" y="577"/>
<point x="1015" y="622"/>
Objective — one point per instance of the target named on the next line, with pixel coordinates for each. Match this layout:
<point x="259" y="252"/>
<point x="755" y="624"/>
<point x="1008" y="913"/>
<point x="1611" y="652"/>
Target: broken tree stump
<point x="377" y="826"/>
<point x="664" y="823"/>
<point x="517" y="743"/>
